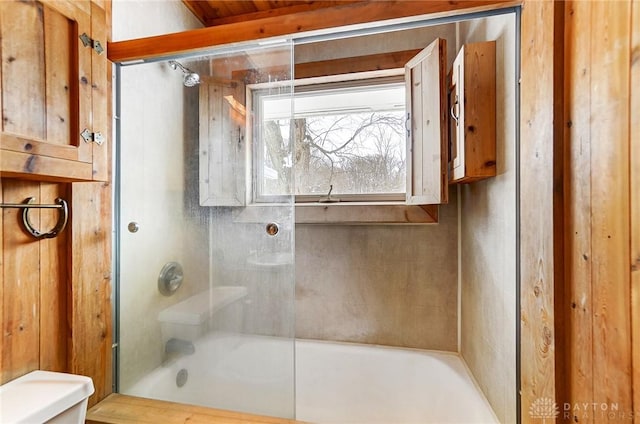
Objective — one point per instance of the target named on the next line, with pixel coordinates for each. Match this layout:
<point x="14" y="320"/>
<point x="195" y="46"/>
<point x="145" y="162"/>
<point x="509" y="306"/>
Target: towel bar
<point x="28" y="204"/>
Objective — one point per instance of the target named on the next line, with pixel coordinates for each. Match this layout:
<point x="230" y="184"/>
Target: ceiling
<point x="220" y="12"/>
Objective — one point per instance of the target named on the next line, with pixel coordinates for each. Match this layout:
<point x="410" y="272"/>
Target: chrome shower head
<point x="190" y="78"/>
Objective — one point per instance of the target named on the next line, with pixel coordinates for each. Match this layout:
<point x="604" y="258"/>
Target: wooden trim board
<point x="634" y="156"/>
<point x="122" y="409"/>
<point x="350" y="14"/>
<point x="537" y="346"/>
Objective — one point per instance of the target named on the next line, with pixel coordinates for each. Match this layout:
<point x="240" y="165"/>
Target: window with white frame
<point x="349" y="141"/>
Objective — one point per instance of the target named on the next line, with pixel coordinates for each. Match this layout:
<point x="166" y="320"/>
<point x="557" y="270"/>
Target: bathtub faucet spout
<point x="184" y="347"/>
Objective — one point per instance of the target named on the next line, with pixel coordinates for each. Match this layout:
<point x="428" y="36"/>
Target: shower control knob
<point x="272" y="228"/>
<point x="133" y="227"/>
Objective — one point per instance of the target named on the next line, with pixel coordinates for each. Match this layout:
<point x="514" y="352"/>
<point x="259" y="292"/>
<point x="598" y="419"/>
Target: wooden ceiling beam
<point x="319" y="19"/>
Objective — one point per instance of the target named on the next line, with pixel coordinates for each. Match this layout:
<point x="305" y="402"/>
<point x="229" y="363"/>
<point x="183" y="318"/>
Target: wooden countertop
<point x="122" y="409"/>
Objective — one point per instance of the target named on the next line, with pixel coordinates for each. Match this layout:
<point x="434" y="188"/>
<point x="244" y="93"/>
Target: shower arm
<point x="175" y="65"/>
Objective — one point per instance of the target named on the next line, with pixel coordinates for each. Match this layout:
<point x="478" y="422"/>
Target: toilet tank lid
<point x="41" y="395"/>
<point x="196" y="309"/>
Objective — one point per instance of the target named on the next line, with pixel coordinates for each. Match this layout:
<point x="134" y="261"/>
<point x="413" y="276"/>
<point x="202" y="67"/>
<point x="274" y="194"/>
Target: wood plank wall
<point x="55" y="309"/>
<point x="90" y="309"/>
<point x="33" y="283"/>
<point x="55" y="294"/>
<point x="635" y="203"/>
<point x="538" y="69"/>
<point x="596" y="316"/>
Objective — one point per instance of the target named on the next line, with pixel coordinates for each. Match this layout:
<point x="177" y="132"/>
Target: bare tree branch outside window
<point x="356" y="153"/>
<point x="351" y="139"/>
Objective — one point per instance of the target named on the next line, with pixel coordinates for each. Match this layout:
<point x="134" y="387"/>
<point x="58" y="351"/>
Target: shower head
<point x="190" y="78"/>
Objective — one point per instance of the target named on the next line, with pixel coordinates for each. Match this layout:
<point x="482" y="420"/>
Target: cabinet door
<point x="427" y="138"/>
<point x="222" y="143"/>
<point x="473" y="113"/>
<point x="457" y="87"/>
<point x="46" y="85"/>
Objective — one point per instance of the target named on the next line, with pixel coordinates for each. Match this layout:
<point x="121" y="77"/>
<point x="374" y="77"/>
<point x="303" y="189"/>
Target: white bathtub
<point x="228" y="371"/>
<point x="336" y="383"/>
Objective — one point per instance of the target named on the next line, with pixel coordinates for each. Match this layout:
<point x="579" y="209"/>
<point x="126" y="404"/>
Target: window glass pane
<point x="350" y="138"/>
<point x="274" y="163"/>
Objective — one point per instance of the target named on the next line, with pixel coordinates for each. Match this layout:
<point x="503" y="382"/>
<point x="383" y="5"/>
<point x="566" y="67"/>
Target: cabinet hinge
<point x="88" y="41"/>
<point x="89" y="137"/>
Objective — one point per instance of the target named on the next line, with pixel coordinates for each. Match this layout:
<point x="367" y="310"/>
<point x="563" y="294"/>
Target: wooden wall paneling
<point x="635" y="202"/>
<point x="610" y="35"/>
<point x="55" y="332"/>
<point x="91" y="285"/>
<point x="537" y="351"/>
<point x="577" y="308"/>
<point x="21" y="296"/>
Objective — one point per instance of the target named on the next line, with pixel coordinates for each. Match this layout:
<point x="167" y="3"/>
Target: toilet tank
<point x="45" y="397"/>
<point x="191" y="318"/>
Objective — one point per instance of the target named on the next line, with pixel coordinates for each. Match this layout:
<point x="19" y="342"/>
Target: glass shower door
<point x="205" y="292"/>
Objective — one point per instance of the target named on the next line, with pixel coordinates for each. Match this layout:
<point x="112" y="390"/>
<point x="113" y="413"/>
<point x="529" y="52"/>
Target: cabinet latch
<point x="88" y="41"/>
<point x="95" y="137"/>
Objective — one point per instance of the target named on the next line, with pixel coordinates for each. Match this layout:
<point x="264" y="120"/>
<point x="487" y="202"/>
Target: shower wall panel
<point x="379" y="284"/>
<point x="488" y="239"/>
<point x="388" y="285"/>
<point x="159" y="158"/>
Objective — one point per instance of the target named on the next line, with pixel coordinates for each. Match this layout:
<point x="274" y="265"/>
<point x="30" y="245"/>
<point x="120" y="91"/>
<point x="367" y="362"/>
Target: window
<point x="349" y="141"/>
<point x="378" y="137"/>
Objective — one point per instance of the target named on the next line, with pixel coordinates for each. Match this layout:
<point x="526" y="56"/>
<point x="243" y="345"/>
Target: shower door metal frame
<point x="182" y="49"/>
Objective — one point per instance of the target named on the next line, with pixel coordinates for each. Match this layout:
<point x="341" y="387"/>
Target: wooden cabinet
<point x="54" y="85"/>
<point x="472" y="101"/>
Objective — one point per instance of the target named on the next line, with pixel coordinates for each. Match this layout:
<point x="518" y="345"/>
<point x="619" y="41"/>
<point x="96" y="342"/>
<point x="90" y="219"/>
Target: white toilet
<point x="45" y="397"/>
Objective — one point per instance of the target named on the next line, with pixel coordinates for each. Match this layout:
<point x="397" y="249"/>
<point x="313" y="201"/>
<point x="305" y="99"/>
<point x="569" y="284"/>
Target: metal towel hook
<point x="28" y="204"/>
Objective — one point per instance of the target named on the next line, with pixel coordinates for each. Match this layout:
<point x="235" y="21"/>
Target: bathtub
<point x="335" y="383"/>
<point x="227" y="371"/>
